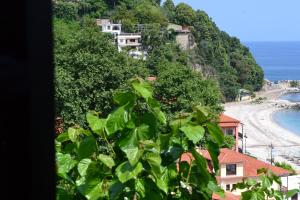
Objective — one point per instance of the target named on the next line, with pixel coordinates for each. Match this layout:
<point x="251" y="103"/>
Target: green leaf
<point x="97" y="125"/>
<point x="129" y="145"/>
<point x="194" y="133"/>
<point x="154" y="161"/>
<point x="291" y="193"/>
<point x="87" y="147"/>
<point x="83" y="166"/>
<point x="123" y="98"/>
<point x="143" y="88"/>
<point x="181" y="120"/>
<point x="117" y="120"/>
<point x="160" y="116"/>
<point x="64" y="163"/>
<point x="63" y="194"/>
<point x="216" y="189"/>
<point x="163" y="180"/>
<point x="63" y="137"/>
<point x="115" y="190"/>
<point x="143" y="132"/>
<point x="57" y="146"/>
<point x="172" y="154"/>
<point x="73" y="134"/>
<point x="266" y="183"/>
<point x="140" y="188"/>
<point x="202" y="165"/>
<point x="214" y="152"/>
<point x="216" y="133"/>
<point x="107" y="160"/>
<point x="201" y="114"/>
<point x="91" y="188"/>
<point x="126" y="172"/>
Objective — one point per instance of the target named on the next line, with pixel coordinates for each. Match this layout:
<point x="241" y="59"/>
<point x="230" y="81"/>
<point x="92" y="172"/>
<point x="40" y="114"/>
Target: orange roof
<point x="251" y="165"/>
<point x="228" y="196"/>
<point x="226" y="121"/>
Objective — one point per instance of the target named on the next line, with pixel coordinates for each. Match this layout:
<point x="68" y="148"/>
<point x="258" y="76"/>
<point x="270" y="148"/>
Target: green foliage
<point x="184" y="14"/>
<point x="72" y="10"/>
<point x="286" y="166"/>
<point x="224" y="57"/>
<point x="65" y="10"/>
<point x="261" y="189"/>
<point x="294" y="84"/>
<point x="89" y="69"/>
<point x="229" y="142"/>
<point x="169" y="9"/>
<point x="141" y="158"/>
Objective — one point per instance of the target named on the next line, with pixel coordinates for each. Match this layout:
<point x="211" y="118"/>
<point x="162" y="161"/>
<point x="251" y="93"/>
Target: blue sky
<point x="254" y="20"/>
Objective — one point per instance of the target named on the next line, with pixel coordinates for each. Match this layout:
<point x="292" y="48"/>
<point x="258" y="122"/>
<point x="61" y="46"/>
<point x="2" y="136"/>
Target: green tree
<point x="184" y="14"/>
<point x="65" y="10"/>
<point x="141" y="158"/>
<point x="179" y="89"/>
<point x="89" y="69"/>
<point x="169" y="9"/>
<point x="147" y="13"/>
<point x="294" y="84"/>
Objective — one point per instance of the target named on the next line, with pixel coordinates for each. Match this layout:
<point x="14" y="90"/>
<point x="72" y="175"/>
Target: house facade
<point x="235" y="167"/>
<point x="130" y="41"/>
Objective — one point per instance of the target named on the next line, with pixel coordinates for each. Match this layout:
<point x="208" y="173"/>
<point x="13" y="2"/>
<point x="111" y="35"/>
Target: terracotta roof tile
<point x="228" y="196"/>
<point x="226" y="119"/>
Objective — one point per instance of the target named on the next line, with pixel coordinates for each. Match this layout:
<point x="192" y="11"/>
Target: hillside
<point x="212" y="71"/>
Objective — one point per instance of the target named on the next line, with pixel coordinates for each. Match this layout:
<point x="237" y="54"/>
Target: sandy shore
<point x="261" y="129"/>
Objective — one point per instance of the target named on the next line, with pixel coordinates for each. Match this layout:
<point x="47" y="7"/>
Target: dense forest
<point x="89" y="68"/>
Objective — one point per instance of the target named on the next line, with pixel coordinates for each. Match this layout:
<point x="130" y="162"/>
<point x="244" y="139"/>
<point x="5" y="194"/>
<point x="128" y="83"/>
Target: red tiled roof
<point x="228" y="196"/>
<point x="226" y="121"/>
<point x="250" y="164"/>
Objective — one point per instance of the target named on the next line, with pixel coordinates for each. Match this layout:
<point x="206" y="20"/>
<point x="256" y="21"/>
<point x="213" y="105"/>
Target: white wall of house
<point x="129" y="40"/>
<point x="292" y="182"/>
<point x="112" y="28"/>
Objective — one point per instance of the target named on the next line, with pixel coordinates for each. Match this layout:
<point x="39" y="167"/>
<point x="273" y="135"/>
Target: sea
<point x="280" y="61"/>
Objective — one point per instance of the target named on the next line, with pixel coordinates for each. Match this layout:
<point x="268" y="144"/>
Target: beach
<point x="262" y="131"/>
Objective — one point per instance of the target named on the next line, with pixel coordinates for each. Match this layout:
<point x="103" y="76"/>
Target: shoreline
<point x="263" y="131"/>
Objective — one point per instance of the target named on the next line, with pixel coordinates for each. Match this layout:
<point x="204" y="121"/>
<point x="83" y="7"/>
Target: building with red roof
<point x="230" y="126"/>
<point x="235" y="167"/>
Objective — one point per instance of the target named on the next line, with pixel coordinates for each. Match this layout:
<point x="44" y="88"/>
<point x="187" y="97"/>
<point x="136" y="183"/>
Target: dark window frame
<point x="231" y="169"/>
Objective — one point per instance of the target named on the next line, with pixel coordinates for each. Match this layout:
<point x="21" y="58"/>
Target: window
<point x="229" y="131"/>
<point x="108" y="27"/>
<point x="231" y="169"/>
<point x="121" y="40"/>
<point x="228" y="187"/>
<point x="132" y="40"/>
<point x="116" y="28"/>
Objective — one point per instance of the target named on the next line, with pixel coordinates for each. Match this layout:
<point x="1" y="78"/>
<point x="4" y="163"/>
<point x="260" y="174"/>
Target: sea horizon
<point x="280" y="60"/>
